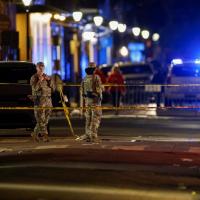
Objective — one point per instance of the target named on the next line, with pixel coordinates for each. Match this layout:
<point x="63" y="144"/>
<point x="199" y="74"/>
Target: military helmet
<point x="40" y="64"/>
<point x="91" y="68"/>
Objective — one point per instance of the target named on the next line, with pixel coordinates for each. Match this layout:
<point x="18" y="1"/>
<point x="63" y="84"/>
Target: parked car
<point x="134" y="73"/>
<point x="14" y="91"/>
<point x="179" y="76"/>
<point x="136" y="76"/>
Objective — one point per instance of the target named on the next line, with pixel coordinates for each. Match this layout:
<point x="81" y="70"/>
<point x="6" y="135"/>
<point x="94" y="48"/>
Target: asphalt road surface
<point x="145" y="128"/>
<point x="95" y="181"/>
<point x="49" y="173"/>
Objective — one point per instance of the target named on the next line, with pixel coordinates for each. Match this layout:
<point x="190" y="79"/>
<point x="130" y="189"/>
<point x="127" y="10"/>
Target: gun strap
<point x="94" y="84"/>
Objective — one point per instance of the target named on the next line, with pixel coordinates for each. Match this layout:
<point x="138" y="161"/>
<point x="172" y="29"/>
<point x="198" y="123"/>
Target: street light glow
<point x="121" y="28"/>
<point x="88" y="35"/>
<point x="59" y="17"/>
<point x="77" y="16"/>
<point x="46" y="17"/>
<point x="56" y="16"/>
<point x="98" y="20"/>
<point x="124" y="51"/>
<point x="113" y="25"/>
<point x="62" y="18"/>
<point x="136" y="31"/>
<point x="27" y="2"/>
<point x="145" y="34"/>
<point x="155" y="37"/>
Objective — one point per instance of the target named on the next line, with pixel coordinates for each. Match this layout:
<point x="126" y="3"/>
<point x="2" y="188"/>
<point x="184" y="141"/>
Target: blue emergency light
<point x="177" y="61"/>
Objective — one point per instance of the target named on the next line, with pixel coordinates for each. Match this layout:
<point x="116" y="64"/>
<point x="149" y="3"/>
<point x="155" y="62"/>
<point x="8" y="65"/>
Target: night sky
<point x="178" y="21"/>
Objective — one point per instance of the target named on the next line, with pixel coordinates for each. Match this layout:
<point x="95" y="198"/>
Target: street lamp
<point x="136" y="31"/>
<point x="155" y="37"/>
<point x="113" y="25"/>
<point x="62" y="18"/>
<point x="77" y="16"/>
<point x="59" y="17"/>
<point x="145" y="34"/>
<point x="98" y="20"/>
<point x="121" y="28"/>
<point x="123" y="51"/>
<point x="27" y="3"/>
<point x="88" y="35"/>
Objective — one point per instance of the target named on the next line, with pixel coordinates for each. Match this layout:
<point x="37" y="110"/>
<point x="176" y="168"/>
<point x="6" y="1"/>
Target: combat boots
<point x="35" y="137"/>
<point x="45" y="137"/>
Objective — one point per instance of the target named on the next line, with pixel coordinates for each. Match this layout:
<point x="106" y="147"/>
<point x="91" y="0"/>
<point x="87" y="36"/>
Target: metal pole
<point x="98" y="47"/>
<point x="27" y="35"/>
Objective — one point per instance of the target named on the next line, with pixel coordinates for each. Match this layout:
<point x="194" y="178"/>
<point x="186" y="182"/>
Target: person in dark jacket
<point x="158" y="79"/>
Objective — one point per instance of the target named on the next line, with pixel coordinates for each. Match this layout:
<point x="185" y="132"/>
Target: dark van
<point x="14" y="90"/>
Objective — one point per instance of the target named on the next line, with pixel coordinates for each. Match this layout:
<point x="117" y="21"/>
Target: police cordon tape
<point x="67" y="113"/>
<point x="115" y="85"/>
<point x="136" y="107"/>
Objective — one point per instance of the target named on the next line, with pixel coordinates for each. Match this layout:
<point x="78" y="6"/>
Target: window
<point x="136" y="69"/>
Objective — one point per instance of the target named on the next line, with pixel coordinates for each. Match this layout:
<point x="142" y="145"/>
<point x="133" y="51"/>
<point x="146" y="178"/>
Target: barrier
<point x="137" y="97"/>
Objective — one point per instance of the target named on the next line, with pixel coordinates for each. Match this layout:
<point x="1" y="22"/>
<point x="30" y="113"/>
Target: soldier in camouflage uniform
<point x="42" y="88"/>
<point x="92" y="93"/>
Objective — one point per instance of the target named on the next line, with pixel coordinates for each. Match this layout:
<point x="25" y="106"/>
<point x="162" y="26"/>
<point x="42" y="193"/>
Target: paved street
<point x="65" y="166"/>
<point x="139" y="127"/>
<point x="144" y="158"/>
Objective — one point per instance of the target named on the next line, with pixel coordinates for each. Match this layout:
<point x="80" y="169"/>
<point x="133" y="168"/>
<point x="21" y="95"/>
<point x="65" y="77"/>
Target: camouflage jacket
<point x="92" y="88"/>
<point x="41" y="88"/>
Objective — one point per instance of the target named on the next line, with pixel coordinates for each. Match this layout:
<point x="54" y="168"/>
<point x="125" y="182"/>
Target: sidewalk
<point x="111" y="150"/>
<point x="161" y="113"/>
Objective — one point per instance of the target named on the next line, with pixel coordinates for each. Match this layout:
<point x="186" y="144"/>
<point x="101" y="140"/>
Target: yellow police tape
<point x="143" y="85"/>
<point x="136" y="107"/>
<point x="118" y="85"/>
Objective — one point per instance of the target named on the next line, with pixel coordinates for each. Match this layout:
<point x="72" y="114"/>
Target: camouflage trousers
<point x="93" y="120"/>
<point x="42" y="116"/>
